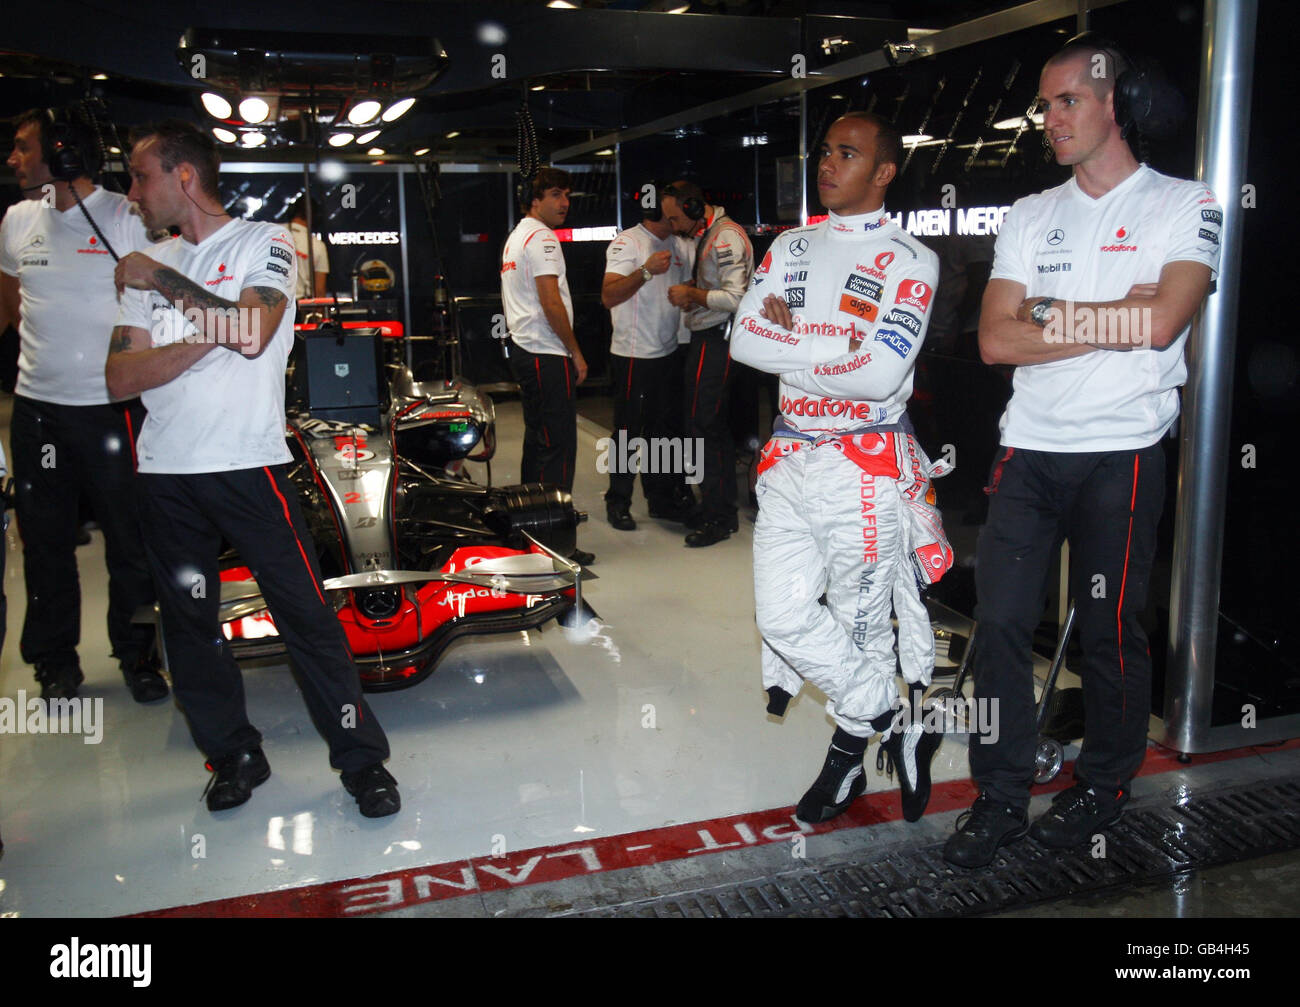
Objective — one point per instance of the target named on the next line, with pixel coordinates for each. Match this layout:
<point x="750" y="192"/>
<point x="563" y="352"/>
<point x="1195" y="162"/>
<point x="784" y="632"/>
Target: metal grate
<point x="1151" y="841"/>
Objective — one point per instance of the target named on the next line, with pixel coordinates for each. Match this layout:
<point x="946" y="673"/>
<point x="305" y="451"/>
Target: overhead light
<point x="99" y="76"/>
<point x="115" y="150"/>
<point x="562" y="5"/>
<point x="538" y="87"/>
<point x="453" y="134"/>
<point x="375" y="151"/>
<point x="913" y="139"/>
<point x="680" y="10"/>
<point x="607" y="152"/>
<point x="340" y="139"/>
<point x="398" y="109"/>
<point x="363" y="111"/>
<point x="332" y="171"/>
<point x="216" y="106"/>
<point x="254" y="110"/>
<point x="367" y="137"/>
<point x="422" y="151"/>
<point x="254" y="139"/>
<point x="253" y="204"/>
<point x="1017" y="121"/>
<point x="224" y="135"/>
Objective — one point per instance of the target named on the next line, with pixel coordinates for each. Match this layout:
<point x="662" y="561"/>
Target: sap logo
<point x="1208" y="235"/>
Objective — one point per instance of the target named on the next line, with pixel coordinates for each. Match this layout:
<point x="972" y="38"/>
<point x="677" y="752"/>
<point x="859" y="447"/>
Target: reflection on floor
<point x="646" y="720"/>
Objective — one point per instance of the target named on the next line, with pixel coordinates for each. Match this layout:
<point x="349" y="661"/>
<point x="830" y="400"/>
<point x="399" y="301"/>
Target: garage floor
<point x="631" y="743"/>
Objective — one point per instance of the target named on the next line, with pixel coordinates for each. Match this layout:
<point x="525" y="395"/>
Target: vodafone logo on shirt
<point x="1119" y="245"/>
<point x="878" y="270"/>
<point x="915" y="294"/>
<point x="92" y="241"/>
<point x="220" y="279"/>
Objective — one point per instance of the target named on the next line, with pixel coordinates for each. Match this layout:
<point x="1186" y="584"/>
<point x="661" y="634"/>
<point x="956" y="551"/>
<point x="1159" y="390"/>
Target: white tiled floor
<point x="654" y="716"/>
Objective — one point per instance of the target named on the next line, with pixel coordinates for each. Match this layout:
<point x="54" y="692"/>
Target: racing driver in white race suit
<point x="839" y="311"/>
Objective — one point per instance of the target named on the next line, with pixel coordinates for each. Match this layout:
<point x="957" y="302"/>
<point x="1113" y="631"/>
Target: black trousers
<point x="708" y="373"/>
<point x="642" y="391"/>
<point x="1108" y="505"/>
<point x="59" y="452"/>
<point x="256" y="510"/>
<point x="547" y="387"/>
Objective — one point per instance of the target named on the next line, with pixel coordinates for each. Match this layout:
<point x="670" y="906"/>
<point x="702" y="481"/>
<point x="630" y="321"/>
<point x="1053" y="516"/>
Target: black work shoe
<point x="909" y="751"/>
<point x="620" y="518"/>
<point x="582" y="558"/>
<point x="697" y="521"/>
<point x="840" y="783"/>
<point x="981" y="830"/>
<point x="59" y="681"/>
<point x="708" y="534"/>
<point x="1076" y="815"/>
<point x="375" y="791"/>
<point x="145" y="681"/>
<point x="672" y="510"/>
<point x="234" y="777"/>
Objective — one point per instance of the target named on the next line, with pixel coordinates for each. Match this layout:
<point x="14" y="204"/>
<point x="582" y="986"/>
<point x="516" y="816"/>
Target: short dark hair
<point x="82" y="136"/>
<point x="683" y="189"/>
<point x="546" y="178"/>
<point x="889" y="142"/>
<point x="181" y="142"/>
<point x="1089" y="46"/>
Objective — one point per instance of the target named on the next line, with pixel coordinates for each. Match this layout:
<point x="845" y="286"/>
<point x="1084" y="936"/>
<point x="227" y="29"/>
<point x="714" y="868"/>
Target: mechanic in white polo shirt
<point x="68" y="436"/>
<point x="641" y="263"/>
<point x="204" y="332"/>
<point x="545" y="358"/>
<point x="1094" y="285"/>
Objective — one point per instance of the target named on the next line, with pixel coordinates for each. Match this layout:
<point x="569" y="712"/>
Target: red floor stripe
<point x="414" y="885"/>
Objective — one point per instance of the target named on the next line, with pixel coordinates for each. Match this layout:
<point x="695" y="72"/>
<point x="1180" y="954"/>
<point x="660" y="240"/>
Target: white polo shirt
<point x="532" y="250"/>
<point x="646" y="324"/>
<point x="227" y="411"/>
<point x="67" y="298"/>
<point x="1062" y="243"/>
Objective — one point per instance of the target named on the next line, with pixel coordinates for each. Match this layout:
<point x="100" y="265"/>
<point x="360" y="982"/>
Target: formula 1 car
<point x="413" y="553"/>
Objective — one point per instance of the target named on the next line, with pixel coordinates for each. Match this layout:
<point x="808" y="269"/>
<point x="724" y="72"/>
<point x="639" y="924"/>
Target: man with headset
<point x="205" y="329"/>
<point x="724" y="262"/>
<point x="68" y="435"/>
<point x="545" y="357"/>
<point x="641" y="264"/>
<point x="1093" y="287"/>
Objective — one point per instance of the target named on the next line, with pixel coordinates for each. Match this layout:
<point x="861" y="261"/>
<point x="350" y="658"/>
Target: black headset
<point x="68" y="147"/>
<point x="692" y="206"/>
<point x="1144" y="99"/>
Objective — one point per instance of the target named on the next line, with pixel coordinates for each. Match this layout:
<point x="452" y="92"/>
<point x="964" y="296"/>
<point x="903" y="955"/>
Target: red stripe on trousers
<point x="130" y="435"/>
<point x="1119" y="611"/>
<point x="699" y="369"/>
<point x="284" y="505"/>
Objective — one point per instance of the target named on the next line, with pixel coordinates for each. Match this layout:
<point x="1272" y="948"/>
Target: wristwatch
<point x="1038" y="313"/>
<point x="646" y="275"/>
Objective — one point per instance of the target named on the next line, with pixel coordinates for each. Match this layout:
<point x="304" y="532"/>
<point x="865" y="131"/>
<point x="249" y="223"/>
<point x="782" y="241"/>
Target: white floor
<point x="653" y="716"/>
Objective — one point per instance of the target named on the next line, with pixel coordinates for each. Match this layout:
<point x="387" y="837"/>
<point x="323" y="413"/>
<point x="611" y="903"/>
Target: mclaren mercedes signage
<point x="364" y="238"/>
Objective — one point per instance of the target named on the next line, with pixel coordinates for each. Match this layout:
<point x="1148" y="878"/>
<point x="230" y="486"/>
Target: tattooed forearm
<point x="269" y="296"/>
<point x="185" y="293"/>
<point x="119" y="341"/>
